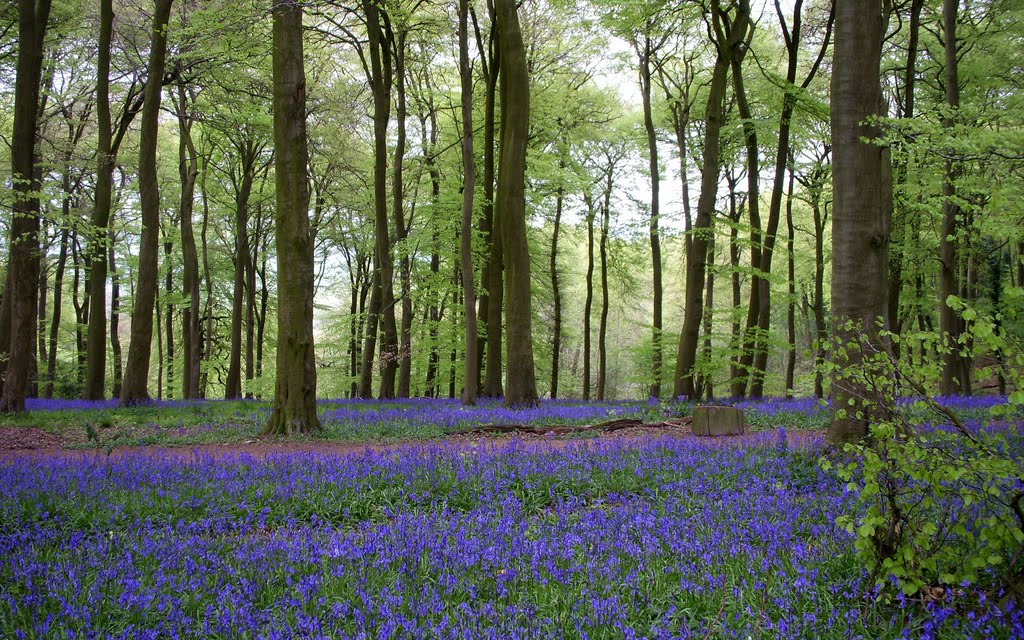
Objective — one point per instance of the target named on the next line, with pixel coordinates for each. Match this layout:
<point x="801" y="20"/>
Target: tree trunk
<point x="735" y="337"/>
<point x="953" y="379"/>
<point x="602" y="332"/>
<point x="380" y="84"/>
<point x="468" y="185"/>
<point x="707" y="383"/>
<point x="655" y="236"/>
<point x="5" y="328"/>
<point x="188" y="171"/>
<point x="860" y="233"/>
<point x="115" y="318"/>
<point x="96" y="255"/>
<point x="261" y="326"/>
<point x="23" y="263"/>
<point x="589" y="302"/>
<point x="294" y="407"/>
<point x="901" y="212"/>
<point x="207" y="334"/>
<point x="492" y="294"/>
<point x="58" y="292"/>
<point x="41" y="295"/>
<point x="819" y="302"/>
<point x="365" y="390"/>
<point x="730" y="33"/>
<point x="751" y="335"/>
<point x="556" y="337"/>
<point x="169" y="311"/>
<point x="521" y="386"/>
<point x="404" y="352"/>
<point x="248" y="153"/>
<point x="490" y="284"/>
<point x="134" y="389"/>
<point x="791" y="279"/>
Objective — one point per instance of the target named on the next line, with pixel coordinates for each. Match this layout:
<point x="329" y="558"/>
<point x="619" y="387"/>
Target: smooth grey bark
<point x="860" y="233"/>
<point x="294" y="405"/>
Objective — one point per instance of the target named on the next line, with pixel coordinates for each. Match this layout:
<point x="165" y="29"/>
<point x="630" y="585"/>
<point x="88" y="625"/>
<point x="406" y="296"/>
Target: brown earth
<point x="31" y="442"/>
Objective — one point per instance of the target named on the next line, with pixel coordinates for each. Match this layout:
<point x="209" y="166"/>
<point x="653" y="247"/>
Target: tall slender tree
<point x="469" y="387"/>
<point x="188" y="171"/>
<point x="294" y="406"/>
<point x="955" y="376"/>
<point x="729" y="26"/>
<point x="135" y="388"/>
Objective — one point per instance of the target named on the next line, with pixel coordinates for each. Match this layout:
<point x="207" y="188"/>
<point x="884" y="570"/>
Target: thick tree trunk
<point x="23" y="263"/>
<point x="134" y="389"/>
<point x="860" y="233"/>
<point x="730" y="33"/>
<point x="468" y="185"/>
<point x="188" y="171"/>
<point x="953" y="379"/>
<point x="521" y="386"/>
<point x="294" y="406"/>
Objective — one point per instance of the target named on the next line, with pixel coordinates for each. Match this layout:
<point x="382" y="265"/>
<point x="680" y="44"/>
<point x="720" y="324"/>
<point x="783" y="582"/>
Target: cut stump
<point x="718" y="421"/>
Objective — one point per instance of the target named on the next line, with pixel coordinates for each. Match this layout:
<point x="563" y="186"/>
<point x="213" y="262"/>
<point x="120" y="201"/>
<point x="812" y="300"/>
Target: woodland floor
<point x="34" y="442"/>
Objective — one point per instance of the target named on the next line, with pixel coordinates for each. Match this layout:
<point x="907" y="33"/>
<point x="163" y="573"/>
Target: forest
<point x="438" y="294"/>
<point x="678" y="198"/>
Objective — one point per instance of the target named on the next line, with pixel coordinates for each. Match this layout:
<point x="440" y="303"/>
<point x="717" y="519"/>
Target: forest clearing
<point x="512" y="318"/>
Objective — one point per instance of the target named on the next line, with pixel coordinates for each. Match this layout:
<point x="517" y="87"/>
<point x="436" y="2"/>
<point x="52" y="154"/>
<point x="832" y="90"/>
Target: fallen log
<point x="603" y="427"/>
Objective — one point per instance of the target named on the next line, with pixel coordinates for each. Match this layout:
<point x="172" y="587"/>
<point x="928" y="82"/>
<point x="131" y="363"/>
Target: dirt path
<point x="32" y="443"/>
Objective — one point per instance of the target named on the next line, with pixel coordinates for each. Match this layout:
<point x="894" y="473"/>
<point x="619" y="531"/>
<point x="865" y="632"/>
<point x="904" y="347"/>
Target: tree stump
<point x="718" y="421"/>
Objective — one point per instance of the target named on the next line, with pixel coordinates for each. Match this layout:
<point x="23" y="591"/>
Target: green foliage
<point x="940" y="499"/>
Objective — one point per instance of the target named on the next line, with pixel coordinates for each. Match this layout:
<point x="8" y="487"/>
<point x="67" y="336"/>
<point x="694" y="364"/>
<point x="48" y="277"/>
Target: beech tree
<point x="20" y="295"/>
<point x="135" y="388"/>
<point x="860" y="229"/>
<point x="294" y="404"/>
<point x="521" y="382"/>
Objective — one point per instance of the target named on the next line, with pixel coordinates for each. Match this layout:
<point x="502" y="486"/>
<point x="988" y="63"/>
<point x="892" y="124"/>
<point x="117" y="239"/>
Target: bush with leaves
<point x="941" y="499"/>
